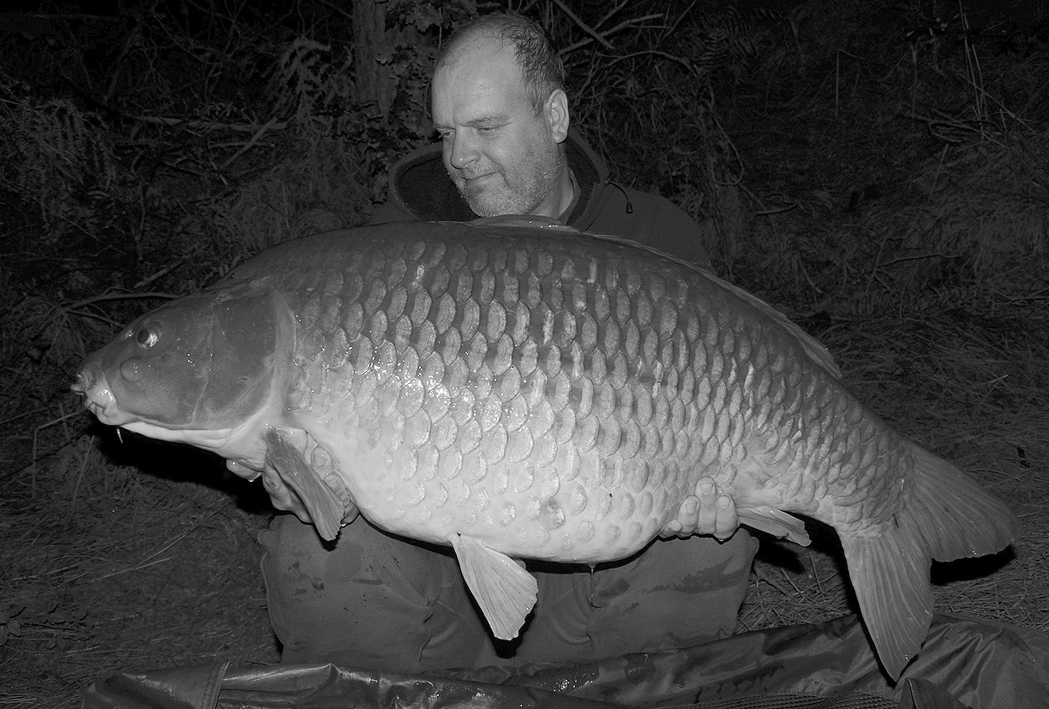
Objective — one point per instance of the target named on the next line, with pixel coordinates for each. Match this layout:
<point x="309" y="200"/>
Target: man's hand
<point x="707" y="511"/>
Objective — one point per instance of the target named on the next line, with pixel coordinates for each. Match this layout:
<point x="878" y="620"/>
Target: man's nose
<point x="463" y="151"/>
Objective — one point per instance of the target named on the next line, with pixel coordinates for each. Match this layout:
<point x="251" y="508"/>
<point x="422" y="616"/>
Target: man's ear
<point x="556" y="112"/>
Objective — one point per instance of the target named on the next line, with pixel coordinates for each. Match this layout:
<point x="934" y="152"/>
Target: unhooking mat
<point x="964" y="663"/>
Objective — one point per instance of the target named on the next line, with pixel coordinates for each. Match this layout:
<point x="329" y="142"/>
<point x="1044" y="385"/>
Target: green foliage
<point x="55" y="156"/>
<point x="376" y="111"/>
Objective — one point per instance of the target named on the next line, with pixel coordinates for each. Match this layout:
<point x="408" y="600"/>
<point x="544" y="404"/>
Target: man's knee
<point x="678" y="593"/>
<point x="366" y="600"/>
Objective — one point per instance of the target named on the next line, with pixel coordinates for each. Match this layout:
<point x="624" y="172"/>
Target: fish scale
<point x="385" y="297"/>
<point x="525" y="391"/>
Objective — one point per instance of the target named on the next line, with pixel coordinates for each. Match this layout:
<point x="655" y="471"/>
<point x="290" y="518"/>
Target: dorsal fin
<point x="813" y="347"/>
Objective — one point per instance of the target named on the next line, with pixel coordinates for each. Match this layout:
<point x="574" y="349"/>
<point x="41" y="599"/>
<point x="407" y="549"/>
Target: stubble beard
<point x="522" y="190"/>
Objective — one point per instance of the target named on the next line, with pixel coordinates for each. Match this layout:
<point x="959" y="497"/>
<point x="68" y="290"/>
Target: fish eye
<point x="148" y="335"/>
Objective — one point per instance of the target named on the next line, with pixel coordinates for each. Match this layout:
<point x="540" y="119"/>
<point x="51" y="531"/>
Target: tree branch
<point x="618" y="28"/>
<point x="586" y="28"/>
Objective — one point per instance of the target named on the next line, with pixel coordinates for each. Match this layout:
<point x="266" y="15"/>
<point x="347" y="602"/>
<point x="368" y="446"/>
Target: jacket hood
<point x="420" y="186"/>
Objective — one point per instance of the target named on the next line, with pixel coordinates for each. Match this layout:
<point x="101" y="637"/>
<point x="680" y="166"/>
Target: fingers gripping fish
<point x="529" y="392"/>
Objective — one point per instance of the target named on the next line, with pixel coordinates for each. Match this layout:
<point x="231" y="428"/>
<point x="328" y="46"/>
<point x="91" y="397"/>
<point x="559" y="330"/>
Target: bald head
<point x="541" y="69"/>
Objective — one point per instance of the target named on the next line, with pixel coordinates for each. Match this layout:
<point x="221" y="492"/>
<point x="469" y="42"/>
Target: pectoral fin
<point x="502" y="588"/>
<point x="775" y="522"/>
<point x="325" y="508"/>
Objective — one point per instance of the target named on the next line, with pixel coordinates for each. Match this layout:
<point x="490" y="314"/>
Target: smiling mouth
<point x="481" y="183"/>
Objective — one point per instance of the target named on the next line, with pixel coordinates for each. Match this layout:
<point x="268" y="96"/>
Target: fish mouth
<point x="99" y="399"/>
<point x="98" y="396"/>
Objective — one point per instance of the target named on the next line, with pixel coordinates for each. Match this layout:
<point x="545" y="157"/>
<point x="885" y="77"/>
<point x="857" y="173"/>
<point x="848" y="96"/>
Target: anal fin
<point x="502" y="588"/>
<point x="775" y="522"/>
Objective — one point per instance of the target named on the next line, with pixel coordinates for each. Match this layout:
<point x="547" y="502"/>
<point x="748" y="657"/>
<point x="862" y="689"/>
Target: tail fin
<point x="948" y="516"/>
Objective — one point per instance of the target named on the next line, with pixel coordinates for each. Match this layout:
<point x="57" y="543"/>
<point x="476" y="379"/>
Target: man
<point x="375" y="601"/>
<point x="507" y="146"/>
<point x="371" y="601"/>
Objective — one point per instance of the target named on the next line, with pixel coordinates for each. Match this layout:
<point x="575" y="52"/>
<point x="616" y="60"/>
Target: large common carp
<point x="524" y="391"/>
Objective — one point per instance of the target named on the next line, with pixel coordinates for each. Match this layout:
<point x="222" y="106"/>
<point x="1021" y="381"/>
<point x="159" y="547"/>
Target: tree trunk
<point x="372" y="51"/>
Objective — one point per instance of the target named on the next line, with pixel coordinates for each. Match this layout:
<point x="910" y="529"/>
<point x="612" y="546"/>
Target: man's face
<point x="501" y="156"/>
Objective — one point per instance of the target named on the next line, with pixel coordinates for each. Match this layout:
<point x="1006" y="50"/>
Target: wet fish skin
<point x="531" y="393"/>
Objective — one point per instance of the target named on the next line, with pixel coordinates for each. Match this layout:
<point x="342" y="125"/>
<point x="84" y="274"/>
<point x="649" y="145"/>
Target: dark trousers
<point x="377" y="601"/>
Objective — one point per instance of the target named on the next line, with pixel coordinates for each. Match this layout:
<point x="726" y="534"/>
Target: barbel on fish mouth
<point x="527" y="391"/>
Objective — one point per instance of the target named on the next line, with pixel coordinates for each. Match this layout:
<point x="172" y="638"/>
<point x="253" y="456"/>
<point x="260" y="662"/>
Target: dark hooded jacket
<point x="421" y="190"/>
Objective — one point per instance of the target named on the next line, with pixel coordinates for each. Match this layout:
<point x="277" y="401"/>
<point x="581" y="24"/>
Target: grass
<point x="110" y="566"/>
<point x="974" y="392"/>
